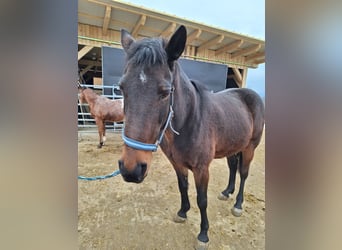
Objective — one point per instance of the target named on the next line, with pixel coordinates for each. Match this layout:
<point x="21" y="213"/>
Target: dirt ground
<point x="114" y="214"/>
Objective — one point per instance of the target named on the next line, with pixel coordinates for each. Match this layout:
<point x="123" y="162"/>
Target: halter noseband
<point x="152" y="147"/>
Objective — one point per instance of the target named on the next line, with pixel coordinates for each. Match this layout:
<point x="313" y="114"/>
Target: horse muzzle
<point x="137" y="175"/>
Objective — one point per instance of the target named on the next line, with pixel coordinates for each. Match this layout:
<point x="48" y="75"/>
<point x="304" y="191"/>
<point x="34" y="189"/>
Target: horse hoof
<point x="179" y="219"/>
<point x="222" y="197"/>
<point x="202" y="245"/>
<point x="237" y="212"/>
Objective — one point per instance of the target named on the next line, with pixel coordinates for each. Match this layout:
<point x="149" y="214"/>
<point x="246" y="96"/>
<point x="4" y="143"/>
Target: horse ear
<point x="176" y="45"/>
<point x="126" y="39"/>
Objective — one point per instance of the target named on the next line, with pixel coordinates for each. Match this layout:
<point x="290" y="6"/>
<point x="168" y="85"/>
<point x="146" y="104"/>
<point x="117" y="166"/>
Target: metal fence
<point x="86" y="121"/>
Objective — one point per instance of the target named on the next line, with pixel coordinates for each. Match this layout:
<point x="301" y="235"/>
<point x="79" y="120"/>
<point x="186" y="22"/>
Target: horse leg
<point x="104" y="132"/>
<point x="201" y="176"/>
<point x="246" y="159"/>
<point x="99" y="124"/>
<point x="182" y="176"/>
<point x="233" y="162"/>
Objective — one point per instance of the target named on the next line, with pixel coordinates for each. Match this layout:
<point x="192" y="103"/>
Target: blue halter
<point x="152" y="147"/>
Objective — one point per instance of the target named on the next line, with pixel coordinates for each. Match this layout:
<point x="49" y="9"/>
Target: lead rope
<point x="100" y="177"/>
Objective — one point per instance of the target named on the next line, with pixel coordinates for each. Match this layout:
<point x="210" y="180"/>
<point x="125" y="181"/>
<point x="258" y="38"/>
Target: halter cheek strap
<point x="152" y="147"/>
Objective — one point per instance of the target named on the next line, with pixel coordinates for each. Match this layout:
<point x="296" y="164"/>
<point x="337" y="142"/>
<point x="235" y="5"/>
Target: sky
<point x="246" y="17"/>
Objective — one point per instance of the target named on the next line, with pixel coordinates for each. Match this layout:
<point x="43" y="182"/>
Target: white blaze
<point x="142" y="77"/>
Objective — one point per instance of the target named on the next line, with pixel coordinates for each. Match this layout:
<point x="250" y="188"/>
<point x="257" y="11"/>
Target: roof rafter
<point x="106" y="19"/>
<point x="138" y="25"/>
<point x="193" y="36"/>
<point x="169" y="30"/>
<point x="246" y="51"/>
<point x="229" y="47"/>
<point x="216" y="40"/>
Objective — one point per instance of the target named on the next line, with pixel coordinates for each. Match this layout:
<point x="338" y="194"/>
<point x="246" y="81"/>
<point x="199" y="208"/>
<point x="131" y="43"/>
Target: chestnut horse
<point x="192" y="125"/>
<point x="102" y="109"/>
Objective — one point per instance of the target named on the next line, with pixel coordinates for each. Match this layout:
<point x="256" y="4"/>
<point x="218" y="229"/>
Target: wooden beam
<point x="237" y="81"/>
<point x="106" y="19"/>
<point x="84" y="51"/>
<point x="90" y="62"/>
<point x="86" y="69"/>
<point x="255" y="56"/>
<point x="138" y="25"/>
<point x="246" y="51"/>
<point x="244" y="77"/>
<point x="237" y="75"/>
<point x="215" y="40"/>
<point x="229" y="47"/>
<point x="169" y="30"/>
<point x="259" y="61"/>
<point x="193" y="36"/>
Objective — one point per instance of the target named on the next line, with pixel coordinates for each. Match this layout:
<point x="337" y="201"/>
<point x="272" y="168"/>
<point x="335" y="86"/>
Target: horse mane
<point x="199" y="86"/>
<point x="148" y="51"/>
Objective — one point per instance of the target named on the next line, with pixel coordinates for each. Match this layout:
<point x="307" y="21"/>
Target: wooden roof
<point x="100" y="22"/>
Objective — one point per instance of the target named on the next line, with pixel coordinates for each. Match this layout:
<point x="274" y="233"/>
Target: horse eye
<point x="164" y="94"/>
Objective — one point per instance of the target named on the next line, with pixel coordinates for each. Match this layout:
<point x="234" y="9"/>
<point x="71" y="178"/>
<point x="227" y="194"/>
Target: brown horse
<point x="102" y="109"/>
<point x="192" y="125"/>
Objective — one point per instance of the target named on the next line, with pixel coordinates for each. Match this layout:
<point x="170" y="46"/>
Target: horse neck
<point x="186" y="98"/>
<point x="90" y="97"/>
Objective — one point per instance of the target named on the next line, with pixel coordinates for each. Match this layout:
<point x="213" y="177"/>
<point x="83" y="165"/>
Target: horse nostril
<point x="136" y="175"/>
<point x="143" y="168"/>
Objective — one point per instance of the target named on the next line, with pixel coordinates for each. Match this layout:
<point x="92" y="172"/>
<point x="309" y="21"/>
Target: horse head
<point x="81" y="94"/>
<point x="147" y="86"/>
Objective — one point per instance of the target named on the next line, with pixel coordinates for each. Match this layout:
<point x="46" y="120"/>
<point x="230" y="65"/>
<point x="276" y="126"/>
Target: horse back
<point x="237" y="117"/>
<point x="244" y="100"/>
<point x="109" y="110"/>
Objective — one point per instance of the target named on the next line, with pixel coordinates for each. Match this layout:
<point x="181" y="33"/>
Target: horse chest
<point x="186" y="152"/>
